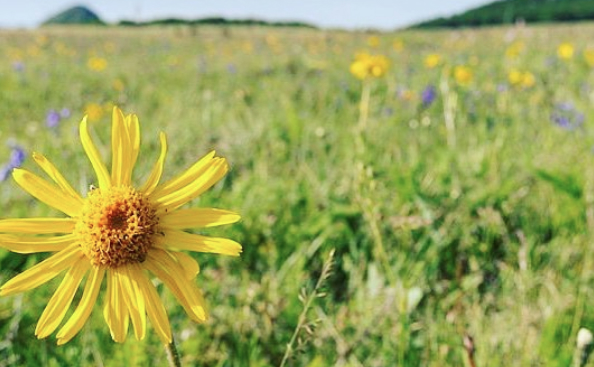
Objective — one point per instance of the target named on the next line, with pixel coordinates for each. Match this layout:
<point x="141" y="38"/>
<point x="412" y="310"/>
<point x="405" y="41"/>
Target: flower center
<point x="116" y="226"/>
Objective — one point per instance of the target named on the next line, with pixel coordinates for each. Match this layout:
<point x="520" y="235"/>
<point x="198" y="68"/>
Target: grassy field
<point x="467" y="217"/>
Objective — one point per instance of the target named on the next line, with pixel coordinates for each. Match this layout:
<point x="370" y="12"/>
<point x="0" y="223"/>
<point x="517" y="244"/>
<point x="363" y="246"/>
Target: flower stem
<point x="172" y="354"/>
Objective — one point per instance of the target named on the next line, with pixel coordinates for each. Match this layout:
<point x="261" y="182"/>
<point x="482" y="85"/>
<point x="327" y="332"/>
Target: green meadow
<point x="456" y="230"/>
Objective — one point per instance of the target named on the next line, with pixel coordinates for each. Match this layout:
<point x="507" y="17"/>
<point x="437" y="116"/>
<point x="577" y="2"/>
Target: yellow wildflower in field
<point x="589" y="56"/>
<point x="116" y="236"/>
<point x="463" y="75"/>
<point x="94" y="112"/>
<point x="514" y="50"/>
<point x="373" y="41"/>
<point x="432" y="60"/>
<point x="96" y="63"/>
<point x="519" y="78"/>
<point x="565" y="51"/>
<point x="366" y="66"/>
<point x="398" y="45"/>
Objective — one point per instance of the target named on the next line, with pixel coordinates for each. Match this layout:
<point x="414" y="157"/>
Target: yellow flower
<point x="432" y="60"/>
<point x="366" y="66"/>
<point x="94" y="112"/>
<point x="398" y="45"/>
<point x="519" y="78"/>
<point x="589" y="56"/>
<point x="96" y="63"/>
<point x="565" y="51"/>
<point x="117" y="235"/>
<point x="373" y="41"/>
<point x="463" y="75"/>
<point x="514" y="50"/>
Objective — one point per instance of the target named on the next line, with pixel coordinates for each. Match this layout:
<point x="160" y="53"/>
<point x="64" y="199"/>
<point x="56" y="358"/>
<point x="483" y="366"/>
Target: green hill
<point x="75" y="15"/>
<point x="511" y="11"/>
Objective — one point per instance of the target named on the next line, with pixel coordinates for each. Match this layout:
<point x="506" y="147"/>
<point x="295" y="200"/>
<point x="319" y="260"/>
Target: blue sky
<point x="381" y="14"/>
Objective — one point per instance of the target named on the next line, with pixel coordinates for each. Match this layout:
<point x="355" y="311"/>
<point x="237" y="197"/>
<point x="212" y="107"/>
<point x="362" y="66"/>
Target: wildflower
<point x="373" y="41"/>
<point x="432" y="60"/>
<point x="17" y="157"/>
<point x="589" y="57"/>
<point x="398" y="45"/>
<point x="566" y="116"/>
<point x="118" y="85"/>
<point x="97" y="63"/>
<point x="463" y="75"/>
<point x="64" y="113"/>
<point x="514" y="50"/>
<point x="565" y="51"/>
<point x="94" y="112"/>
<point x="18" y="66"/>
<point x="117" y="235"/>
<point x="428" y="95"/>
<point x="584" y="345"/>
<point x="366" y="66"/>
<point x="519" y="78"/>
<point x="52" y="118"/>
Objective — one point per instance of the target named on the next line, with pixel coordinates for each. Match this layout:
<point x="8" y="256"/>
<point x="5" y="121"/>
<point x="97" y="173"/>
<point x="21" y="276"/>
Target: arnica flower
<point x="368" y="66"/>
<point x="589" y="57"/>
<point x="524" y="79"/>
<point x="373" y="41"/>
<point x="463" y="75"/>
<point x="119" y="236"/>
<point x="94" y="112"/>
<point x="514" y="50"/>
<point x="432" y="60"/>
<point x="97" y="63"/>
<point x="565" y="51"/>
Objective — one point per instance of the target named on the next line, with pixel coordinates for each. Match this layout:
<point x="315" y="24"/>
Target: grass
<point x="485" y="224"/>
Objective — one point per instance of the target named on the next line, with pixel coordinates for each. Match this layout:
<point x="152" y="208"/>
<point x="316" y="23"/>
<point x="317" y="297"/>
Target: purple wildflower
<point x="566" y="116"/>
<point x="18" y="66"/>
<point x="231" y="69"/>
<point x="17" y="157"/>
<point x="428" y="95"/>
<point x="52" y="119"/>
<point x="64" y="113"/>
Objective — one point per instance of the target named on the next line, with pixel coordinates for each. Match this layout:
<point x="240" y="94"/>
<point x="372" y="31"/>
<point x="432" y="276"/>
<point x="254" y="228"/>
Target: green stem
<point x="172" y="354"/>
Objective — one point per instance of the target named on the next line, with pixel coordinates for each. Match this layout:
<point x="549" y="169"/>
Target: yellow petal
<point x="93" y="154"/>
<point x="115" y="311"/>
<point x="187" y="263"/>
<point x="155" y="310"/>
<point x="207" y="178"/>
<point x="186" y="177"/>
<point x="133" y="127"/>
<point x="29" y="244"/>
<point x="53" y="172"/>
<point x="37" y="225"/>
<point x="60" y="302"/>
<point x="135" y="301"/>
<point x="47" y="193"/>
<point x="197" y="218"/>
<point x="44" y="271"/>
<point x="186" y="292"/>
<point x="119" y="144"/>
<point x="84" y="308"/>
<point x="157" y="171"/>
<point x="179" y="240"/>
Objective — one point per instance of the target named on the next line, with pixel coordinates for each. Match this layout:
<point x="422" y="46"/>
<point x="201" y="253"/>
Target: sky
<point x="348" y="14"/>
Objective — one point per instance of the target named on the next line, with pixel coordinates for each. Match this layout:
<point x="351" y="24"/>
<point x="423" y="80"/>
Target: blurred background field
<point x="463" y="212"/>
